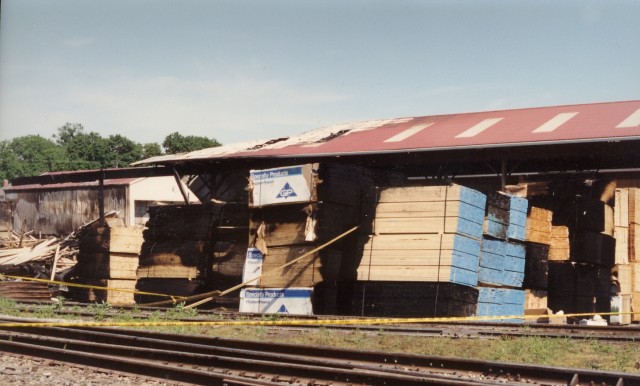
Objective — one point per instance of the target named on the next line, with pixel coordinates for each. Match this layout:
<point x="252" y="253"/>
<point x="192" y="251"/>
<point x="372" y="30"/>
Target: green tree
<point x="121" y="151"/>
<point x="151" y="150"/>
<point x="87" y="151"/>
<point x="9" y="164"/>
<point x="32" y="155"/>
<point x="177" y="143"/>
<point x="67" y="133"/>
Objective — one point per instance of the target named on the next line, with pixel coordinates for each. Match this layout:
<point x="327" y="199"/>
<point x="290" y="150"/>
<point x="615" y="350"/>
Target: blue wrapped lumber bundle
<point x="506" y="217"/>
<point x="449" y="258"/>
<point x="502" y="263"/>
<point x="501" y="302"/>
<point x="430" y="209"/>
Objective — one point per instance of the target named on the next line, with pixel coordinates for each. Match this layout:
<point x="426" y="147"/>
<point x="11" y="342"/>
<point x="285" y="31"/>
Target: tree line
<point x="72" y="148"/>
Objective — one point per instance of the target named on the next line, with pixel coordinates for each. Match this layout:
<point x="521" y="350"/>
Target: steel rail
<point x="330" y="371"/>
<point x="203" y="344"/>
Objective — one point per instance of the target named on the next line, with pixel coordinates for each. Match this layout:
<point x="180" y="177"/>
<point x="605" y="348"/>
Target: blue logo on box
<point x="283" y="310"/>
<point x="286" y="192"/>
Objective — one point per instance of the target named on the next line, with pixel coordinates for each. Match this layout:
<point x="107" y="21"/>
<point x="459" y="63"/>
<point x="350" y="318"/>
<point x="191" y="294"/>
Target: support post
<point x="101" y="198"/>
<point x="179" y="182"/>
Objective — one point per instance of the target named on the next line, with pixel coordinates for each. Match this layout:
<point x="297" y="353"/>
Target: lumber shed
<point x="576" y="156"/>
<point x="486" y="213"/>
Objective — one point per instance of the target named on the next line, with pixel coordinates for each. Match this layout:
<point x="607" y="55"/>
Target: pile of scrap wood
<point x="39" y="256"/>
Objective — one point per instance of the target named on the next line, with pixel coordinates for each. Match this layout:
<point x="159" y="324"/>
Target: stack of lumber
<point x="413" y="299"/>
<point x="579" y="288"/>
<point x="230" y="235"/>
<point x="496" y="302"/>
<point x="502" y="265"/>
<point x="295" y="209"/>
<point x="108" y="257"/>
<point x="559" y="248"/>
<point x="502" y="261"/>
<point x="539" y="231"/>
<point x="506" y="217"/>
<point x="422" y="258"/>
<point x="425" y="233"/>
<point x="176" y="250"/>
<point x="25" y="290"/>
<point x="626" y="205"/>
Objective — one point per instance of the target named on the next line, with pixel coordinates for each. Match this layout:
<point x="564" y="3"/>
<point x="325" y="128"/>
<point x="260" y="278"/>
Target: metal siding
<point x="60" y="212"/>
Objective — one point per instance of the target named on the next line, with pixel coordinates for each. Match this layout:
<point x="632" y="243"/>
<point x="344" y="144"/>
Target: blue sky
<point x="245" y="70"/>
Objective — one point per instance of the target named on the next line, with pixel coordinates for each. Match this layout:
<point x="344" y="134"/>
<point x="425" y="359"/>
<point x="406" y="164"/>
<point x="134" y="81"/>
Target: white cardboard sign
<point x="295" y="301"/>
<point x="252" y="265"/>
<point x="281" y="185"/>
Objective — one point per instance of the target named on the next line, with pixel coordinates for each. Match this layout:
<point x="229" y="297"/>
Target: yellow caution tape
<point x="297" y="322"/>
<point x="173" y="297"/>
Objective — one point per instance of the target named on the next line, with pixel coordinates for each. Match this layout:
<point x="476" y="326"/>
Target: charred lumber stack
<point x="293" y="210"/>
<point x="108" y="257"/>
<point x="176" y="250"/>
<point x="580" y="265"/>
<point x="422" y="258"/>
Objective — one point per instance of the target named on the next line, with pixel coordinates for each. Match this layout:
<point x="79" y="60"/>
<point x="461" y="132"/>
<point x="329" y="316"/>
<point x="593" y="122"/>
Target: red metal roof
<point x="543" y="125"/>
<point x="72" y="185"/>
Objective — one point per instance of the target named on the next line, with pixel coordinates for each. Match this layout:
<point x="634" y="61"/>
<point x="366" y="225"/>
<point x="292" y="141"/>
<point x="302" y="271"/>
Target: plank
<point x="437" y="193"/>
<point x="634" y="242"/>
<point x="634" y="206"/>
<point x="126" y="240"/>
<point x="621" y="207"/>
<point x="622" y="277"/>
<point x="621" y="235"/>
<point x="168" y="271"/>
<point x="535" y="299"/>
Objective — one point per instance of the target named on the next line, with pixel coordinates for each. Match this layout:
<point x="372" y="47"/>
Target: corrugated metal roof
<point x="73" y="185"/>
<point x="543" y="125"/>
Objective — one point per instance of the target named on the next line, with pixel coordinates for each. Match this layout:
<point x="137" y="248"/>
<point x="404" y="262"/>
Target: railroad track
<point x="629" y="333"/>
<point x="215" y="361"/>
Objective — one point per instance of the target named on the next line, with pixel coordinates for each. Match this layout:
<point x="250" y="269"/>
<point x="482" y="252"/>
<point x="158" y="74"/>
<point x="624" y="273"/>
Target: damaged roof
<point x="599" y="122"/>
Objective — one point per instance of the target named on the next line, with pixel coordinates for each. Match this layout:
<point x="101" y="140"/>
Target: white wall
<point x="164" y="189"/>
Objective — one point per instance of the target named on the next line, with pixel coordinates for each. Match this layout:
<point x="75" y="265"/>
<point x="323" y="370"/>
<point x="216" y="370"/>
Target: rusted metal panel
<point x="59" y="212"/>
<point x="601" y="122"/>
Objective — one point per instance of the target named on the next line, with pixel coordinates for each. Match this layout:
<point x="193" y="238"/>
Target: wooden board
<point x="304" y="273"/>
<point x="634" y="242"/>
<point x="623" y="275"/>
<point x="113" y="297"/>
<point x="126" y="240"/>
<point x="634" y="206"/>
<point x="635" y="306"/>
<point x="173" y="252"/>
<point x="559" y="249"/>
<point x="621" y="208"/>
<point x="635" y="276"/>
<point x="621" y="234"/>
<point x="535" y="299"/>
<point x="168" y="271"/>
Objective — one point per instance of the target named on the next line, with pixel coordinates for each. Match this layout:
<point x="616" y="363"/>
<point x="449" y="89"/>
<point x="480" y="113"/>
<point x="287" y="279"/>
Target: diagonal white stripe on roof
<point x="401" y="136"/>
<point x="554" y="122"/>
<point x="632" y="120"/>
<point x="479" y="128"/>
